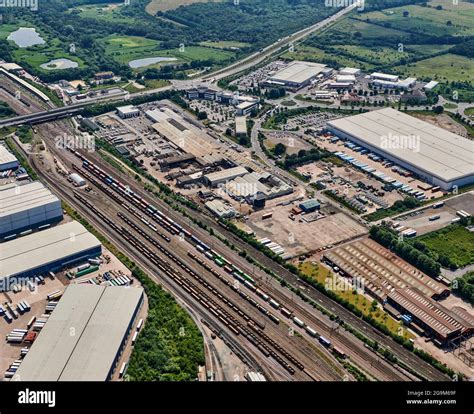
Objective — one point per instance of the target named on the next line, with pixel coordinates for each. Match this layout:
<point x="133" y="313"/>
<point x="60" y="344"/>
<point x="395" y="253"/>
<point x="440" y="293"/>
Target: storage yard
<point x="42" y="293"/>
<point x="295" y="231"/>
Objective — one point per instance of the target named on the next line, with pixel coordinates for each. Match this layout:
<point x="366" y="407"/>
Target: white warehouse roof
<point x="437" y="152"/>
<point x="45" y="247"/>
<point x="224" y="175"/>
<point x="25" y="206"/>
<point x="385" y="76"/>
<point x="127" y="109"/>
<point x="298" y="72"/>
<point x="101" y="317"/>
<point x="6" y="158"/>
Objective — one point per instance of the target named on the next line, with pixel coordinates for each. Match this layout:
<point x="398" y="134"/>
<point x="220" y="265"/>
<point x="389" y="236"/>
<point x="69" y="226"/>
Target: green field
<point x="455" y="242"/>
<point x="443" y="68"/>
<point x="378" y="55"/>
<point x="225" y="44"/>
<point x="164" y="5"/>
<point x="469" y="111"/>
<point x="126" y="48"/>
<point x="106" y="13"/>
<point x="310" y="53"/>
<point x="427" y="20"/>
<point x="39" y="54"/>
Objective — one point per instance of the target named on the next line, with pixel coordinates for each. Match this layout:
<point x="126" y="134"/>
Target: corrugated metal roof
<point x="428" y="311"/>
<point x="80" y="340"/>
<point x="20" y="198"/>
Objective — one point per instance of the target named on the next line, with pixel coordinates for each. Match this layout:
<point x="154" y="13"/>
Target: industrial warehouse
<point x="297" y="74"/>
<point x="47" y="250"/>
<point x="26" y="207"/>
<point x="437" y="156"/>
<point x="431" y="316"/>
<point x="405" y="292"/>
<point x="376" y="267"/>
<point x="7" y="160"/>
<point x="101" y="328"/>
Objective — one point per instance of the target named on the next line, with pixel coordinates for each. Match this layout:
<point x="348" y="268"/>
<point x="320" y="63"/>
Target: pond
<point x="26" y="37"/>
<point x="62" y="63"/>
<point x="139" y="63"/>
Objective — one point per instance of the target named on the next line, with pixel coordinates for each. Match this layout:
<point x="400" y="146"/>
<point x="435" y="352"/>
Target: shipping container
<point x="324" y="341"/>
<point x="298" y="322"/>
<point x="311" y="331"/>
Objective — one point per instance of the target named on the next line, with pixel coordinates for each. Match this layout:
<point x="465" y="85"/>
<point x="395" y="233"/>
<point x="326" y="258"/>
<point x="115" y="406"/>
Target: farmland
<point x="444" y="68"/>
<point x="164" y="5"/>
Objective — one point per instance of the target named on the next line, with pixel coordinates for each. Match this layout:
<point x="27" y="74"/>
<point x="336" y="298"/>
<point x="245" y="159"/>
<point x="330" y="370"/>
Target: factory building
<point x="384" y="77"/>
<point x="368" y="262"/>
<point x="7" y="160"/>
<point x="309" y="206"/>
<point x="349" y="71"/>
<point x="297" y="75"/>
<point x="437" y="156"/>
<point x="430" y="316"/>
<point x="430" y="85"/>
<point x="220" y="209"/>
<point x="249" y="185"/>
<point x="47" y="250"/>
<point x="219" y="177"/>
<point x="102" y="317"/>
<point x="27" y="207"/>
<point x="128" y="111"/>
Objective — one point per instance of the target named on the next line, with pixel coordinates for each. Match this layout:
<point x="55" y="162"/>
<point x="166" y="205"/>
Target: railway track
<point x="372" y="360"/>
<point x="271" y="339"/>
<point x="185" y="267"/>
<point x="425" y="370"/>
<point x="242" y="348"/>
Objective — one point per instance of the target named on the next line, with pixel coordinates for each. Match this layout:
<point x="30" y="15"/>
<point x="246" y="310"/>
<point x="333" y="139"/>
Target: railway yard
<point x="307" y="353"/>
<point x="258" y="318"/>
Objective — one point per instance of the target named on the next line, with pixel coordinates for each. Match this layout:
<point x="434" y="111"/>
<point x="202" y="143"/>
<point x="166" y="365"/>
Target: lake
<point x="62" y="63"/>
<point x="139" y="63"/>
<point x="26" y="37"/>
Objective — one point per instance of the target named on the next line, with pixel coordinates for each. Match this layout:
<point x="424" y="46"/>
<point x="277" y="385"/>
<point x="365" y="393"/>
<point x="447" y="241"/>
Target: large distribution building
<point x="26" y="207"/>
<point x="7" y="160"/>
<point x="47" y="250"/>
<point x="102" y="318"/>
<point x="437" y="156"/>
<point x="297" y="74"/>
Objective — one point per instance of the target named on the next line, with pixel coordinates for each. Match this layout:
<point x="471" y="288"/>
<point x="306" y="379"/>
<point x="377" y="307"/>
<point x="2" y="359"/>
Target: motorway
<point x="268" y="51"/>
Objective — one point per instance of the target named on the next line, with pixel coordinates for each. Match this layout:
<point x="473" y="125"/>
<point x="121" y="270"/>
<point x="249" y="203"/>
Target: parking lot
<point x="419" y="220"/>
